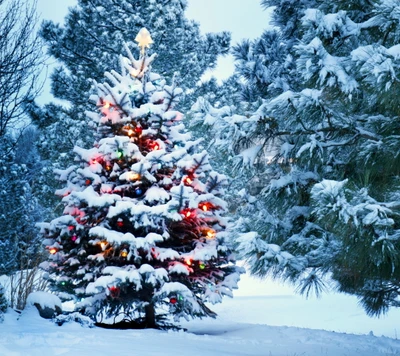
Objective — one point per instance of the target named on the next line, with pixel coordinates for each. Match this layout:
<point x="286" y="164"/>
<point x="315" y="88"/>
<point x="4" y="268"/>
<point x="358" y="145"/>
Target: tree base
<point x="131" y="324"/>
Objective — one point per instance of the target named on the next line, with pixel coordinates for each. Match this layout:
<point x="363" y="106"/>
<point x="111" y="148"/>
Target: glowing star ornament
<point x="143" y="39"/>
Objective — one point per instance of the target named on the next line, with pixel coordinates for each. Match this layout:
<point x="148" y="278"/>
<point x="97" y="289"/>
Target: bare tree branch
<point x="21" y="61"/>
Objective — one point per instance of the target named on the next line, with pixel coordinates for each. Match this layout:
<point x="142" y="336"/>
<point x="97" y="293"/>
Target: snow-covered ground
<point x="256" y="324"/>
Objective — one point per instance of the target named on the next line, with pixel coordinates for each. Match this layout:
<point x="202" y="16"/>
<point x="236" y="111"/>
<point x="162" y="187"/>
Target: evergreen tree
<point x="90" y="42"/>
<point x="242" y="137"/>
<point x="328" y="199"/>
<point x="19" y="209"/>
<point x="3" y="303"/>
<point x="142" y="236"/>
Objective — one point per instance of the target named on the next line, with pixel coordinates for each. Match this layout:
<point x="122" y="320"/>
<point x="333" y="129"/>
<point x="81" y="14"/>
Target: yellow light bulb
<point x="133" y="176"/>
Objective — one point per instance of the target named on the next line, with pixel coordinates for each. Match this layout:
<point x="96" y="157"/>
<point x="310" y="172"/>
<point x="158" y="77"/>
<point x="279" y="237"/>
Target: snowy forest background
<point x="306" y="129"/>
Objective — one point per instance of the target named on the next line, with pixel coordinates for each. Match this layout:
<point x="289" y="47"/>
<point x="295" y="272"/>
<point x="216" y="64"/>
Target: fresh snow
<point x="44" y="299"/>
<point x="249" y="155"/>
<point x="263" y="318"/>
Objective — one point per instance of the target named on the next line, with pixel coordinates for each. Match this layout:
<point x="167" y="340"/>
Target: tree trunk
<point x="150" y="318"/>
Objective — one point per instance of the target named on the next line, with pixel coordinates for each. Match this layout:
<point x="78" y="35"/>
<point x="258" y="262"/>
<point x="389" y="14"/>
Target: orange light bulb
<point x="210" y="234"/>
<point x="106" y="105"/>
<point x="206" y="206"/>
<point x="53" y="251"/>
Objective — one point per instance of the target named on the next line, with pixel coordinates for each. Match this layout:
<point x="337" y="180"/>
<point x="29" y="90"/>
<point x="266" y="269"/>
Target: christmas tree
<point x="142" y="237"/>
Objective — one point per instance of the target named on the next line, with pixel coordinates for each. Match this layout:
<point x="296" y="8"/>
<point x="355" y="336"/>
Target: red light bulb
<point x="187" y="180"/>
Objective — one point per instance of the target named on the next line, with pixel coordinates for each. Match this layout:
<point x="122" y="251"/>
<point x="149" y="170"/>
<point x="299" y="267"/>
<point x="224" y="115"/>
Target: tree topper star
<point x="143" y="39"/>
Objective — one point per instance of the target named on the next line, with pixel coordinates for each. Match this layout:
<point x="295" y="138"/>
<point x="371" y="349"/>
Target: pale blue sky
<point x="244" y="18"/>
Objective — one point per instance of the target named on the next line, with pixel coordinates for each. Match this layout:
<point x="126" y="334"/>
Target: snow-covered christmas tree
<point x="142" y="236"/>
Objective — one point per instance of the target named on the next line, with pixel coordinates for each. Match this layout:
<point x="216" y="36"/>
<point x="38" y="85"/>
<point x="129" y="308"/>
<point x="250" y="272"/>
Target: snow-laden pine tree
<point x="3" y="303"/>
<point x="328" y="202"/>
<point x="142" y="236"/>
<point x="89" y="42"/>
<point x="20" y="244"/>
<point x="264" y="68"/>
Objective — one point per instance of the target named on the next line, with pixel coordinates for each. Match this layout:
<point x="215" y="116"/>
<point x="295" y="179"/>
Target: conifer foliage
<point x="334" y="194"/>
<point x="3" y="303"/>
<point x="327" y="202"/>
<point x="142" y="236"/>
